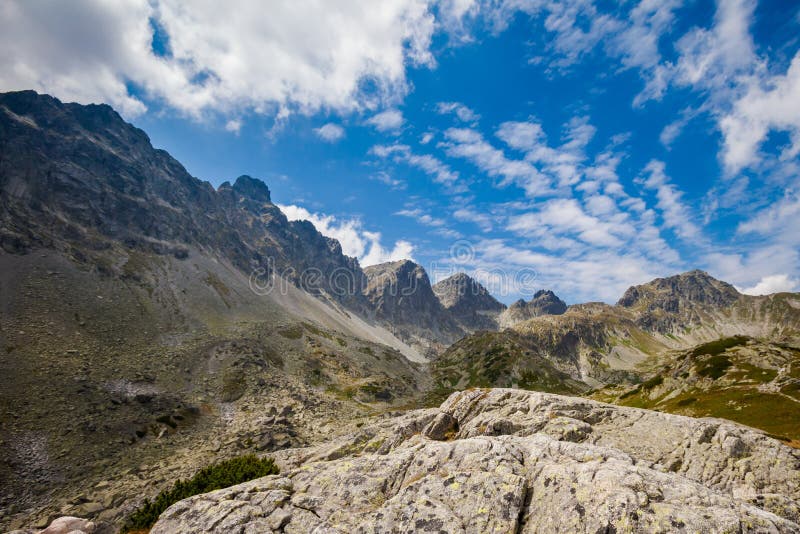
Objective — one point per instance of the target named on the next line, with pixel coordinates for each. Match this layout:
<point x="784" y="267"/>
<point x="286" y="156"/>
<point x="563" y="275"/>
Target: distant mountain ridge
<point x="600" y="344"/>
<point x="401" y="294"/>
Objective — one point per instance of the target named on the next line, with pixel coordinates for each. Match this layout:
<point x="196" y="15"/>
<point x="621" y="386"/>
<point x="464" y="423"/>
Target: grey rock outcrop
<point x="517" y="461"/>
<point x="469" y="302"/>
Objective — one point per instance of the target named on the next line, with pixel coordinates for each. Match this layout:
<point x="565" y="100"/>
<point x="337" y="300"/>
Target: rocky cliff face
<point x="544" y="302"/>
<point x="469" y="302"/>
<point x="80" y="180"/>
<point x="401" y="295"/>
<point x="513" y="461"/>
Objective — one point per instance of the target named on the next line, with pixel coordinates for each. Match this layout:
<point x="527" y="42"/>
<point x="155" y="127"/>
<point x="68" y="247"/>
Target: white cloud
<point x="671" y="131"/>
<point x="432" y="166"/>
<point x="426" y="138"/>
<point x="386" y="121"/>
<point x="234" y="125"/>
<point x="776" y="283"/>
<point x="675" y="213"/>
<point x="637" y="44"/>
<point x="356" y="241"/>
<point x="756" y="264"/>
<point x="778" y="222"/>
<point x="421" y="217"/>
<point x="330" y="132"/>
<point x="243" y="55"/>
<point x="509" y="270"/>
<point x="563" y="163"/>
<point x="385" y="178"/>
<point x="469" y="144"/>
<point x="772" y="104"/>
<point x="564" y="216"/>
<point x="461" y="111"/>
<point x="468" y="214"/>
<point x="524" y="136"/>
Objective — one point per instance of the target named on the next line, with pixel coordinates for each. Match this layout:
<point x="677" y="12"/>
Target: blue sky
<point x="580" y="146"/>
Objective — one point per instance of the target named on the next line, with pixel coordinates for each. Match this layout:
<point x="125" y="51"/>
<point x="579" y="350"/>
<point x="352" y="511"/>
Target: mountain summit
<point x="400" y="293"/>
<point x="470" y="303"/>
<point x="544" y="302"/>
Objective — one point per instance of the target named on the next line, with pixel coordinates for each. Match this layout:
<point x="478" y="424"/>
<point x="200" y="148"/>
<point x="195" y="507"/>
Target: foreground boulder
<point x="506" y="460"/>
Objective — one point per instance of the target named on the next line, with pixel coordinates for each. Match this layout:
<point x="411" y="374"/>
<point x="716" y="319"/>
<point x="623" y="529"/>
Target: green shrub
<point x="715" y="367"/>
<point x="292" y="332"/>
<point x="214" y="477"/>
<point x="653" y="382"/>
<point x="631" y="393"/>
<point x="717" y="347"/>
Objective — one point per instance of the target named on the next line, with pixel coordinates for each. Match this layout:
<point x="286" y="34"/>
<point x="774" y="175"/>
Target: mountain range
<point x="150" y="323"/>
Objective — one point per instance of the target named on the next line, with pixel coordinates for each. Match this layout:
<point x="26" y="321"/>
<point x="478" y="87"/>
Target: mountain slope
<point x="142" y="312"/>
<point x="753" y="382"/>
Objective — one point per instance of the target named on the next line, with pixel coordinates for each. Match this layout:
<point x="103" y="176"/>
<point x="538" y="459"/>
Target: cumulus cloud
<point x="356" y="241"/>
<point x="262" y="57"/>
<point x="776" y="283"/>
<point x="330" y="132"/>
<point x="387" y="121"/>
<point x="772" y="104"/>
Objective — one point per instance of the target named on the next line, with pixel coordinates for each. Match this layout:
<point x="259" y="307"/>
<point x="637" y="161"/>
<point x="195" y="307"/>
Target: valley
<point x="151" y="325"/>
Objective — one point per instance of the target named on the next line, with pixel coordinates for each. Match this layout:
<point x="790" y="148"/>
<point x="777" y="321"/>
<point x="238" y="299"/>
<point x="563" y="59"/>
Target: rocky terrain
<point x="514" y="461"/>
<point x="151" y="325"/>
<point x="739" y="378"/>
<point x="600" y="344"/>
<point x="143" y="313"/>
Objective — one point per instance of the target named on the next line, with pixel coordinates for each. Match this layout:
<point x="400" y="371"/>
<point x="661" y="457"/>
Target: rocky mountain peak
<point x="667" y="303"/>
<point x="544" y="302"/>
<point x="401" y="293"/>
<point x="402" y="278"/>
<point x="461" y="291"/>
<point x="470" y="303"/>
<point x="674" y="292"/>
<point x="252" y="188"/>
